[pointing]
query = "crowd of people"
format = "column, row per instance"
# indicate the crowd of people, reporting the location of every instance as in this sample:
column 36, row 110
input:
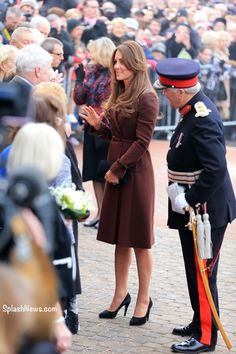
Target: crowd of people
column 102, row 73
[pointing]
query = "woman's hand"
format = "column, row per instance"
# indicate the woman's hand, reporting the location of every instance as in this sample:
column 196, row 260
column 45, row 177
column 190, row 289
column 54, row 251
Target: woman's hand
column 63, row 337
column 91, row 117
column 62, row 334
column 111, row 178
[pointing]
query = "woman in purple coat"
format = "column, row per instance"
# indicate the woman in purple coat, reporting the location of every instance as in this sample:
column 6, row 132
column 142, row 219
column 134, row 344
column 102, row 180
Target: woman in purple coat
column 128, row 204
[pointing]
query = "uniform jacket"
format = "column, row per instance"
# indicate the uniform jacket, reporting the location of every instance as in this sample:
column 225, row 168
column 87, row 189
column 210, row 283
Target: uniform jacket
column 127, row 210
column 198, row 144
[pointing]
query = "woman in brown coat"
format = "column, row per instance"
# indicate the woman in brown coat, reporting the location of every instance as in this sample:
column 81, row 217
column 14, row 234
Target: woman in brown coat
column 128, row 204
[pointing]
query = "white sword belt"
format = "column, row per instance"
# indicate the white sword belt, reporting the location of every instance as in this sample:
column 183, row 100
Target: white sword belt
column 183, row 177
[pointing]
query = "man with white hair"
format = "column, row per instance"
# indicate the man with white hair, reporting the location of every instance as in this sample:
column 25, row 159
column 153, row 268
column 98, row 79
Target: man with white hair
column 41, row 24
column 197, row 169
column 21, row 37
column 33, row 65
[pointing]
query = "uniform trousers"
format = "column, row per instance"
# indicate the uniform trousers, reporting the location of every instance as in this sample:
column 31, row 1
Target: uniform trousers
column 205, row 327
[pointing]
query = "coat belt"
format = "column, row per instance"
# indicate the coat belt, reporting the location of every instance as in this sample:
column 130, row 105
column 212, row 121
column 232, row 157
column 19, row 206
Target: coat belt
column 114, row 138
column 183, row 177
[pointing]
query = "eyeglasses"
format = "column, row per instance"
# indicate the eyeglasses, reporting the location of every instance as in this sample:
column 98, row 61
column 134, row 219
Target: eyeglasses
column 58, row 54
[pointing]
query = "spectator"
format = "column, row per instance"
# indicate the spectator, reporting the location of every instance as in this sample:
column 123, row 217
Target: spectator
column 232, row 61
column 73, row 13
column 118, row 31
column 221, row 52
column 21, row 37
column 55, row 48
column 7, row 60
column 219, row 24
column 11, row 20
column 93, row 89
column 75, row 29
column 33, row 65
column 181, row 44
column 29, row 8
column 41, row 24
column 158, row 51
column 39, row 145
column 58, row 32
column 96, row 28
column 108, row 10
column 132, row 27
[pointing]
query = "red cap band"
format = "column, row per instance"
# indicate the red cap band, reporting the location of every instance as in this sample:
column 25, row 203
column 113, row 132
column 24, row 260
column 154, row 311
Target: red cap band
column 178, row 83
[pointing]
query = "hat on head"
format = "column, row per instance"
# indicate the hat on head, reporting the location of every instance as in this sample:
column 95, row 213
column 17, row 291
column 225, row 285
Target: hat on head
column 177, row 73
column 73, row 23
column 159, row 47
column 31, row 3
column 132, row 23
column 182, row 12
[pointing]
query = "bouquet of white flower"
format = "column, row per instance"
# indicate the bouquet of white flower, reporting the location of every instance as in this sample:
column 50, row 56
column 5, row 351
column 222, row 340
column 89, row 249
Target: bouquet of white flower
column 74, row 204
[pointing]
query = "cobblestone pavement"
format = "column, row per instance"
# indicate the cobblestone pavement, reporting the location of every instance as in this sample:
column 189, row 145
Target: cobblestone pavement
column 168, row 286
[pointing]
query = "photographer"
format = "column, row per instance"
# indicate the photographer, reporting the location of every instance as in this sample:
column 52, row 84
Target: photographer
column 28, row 8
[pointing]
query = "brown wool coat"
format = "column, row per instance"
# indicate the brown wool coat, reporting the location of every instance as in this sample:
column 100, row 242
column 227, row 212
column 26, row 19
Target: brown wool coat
column 128, row 209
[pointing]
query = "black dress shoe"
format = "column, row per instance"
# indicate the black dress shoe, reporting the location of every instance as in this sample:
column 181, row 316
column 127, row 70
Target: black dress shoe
column 91, row 223
column 184, row 330
column 138, row 321
column 191, row 346
column 72, row 322
column 113, row 314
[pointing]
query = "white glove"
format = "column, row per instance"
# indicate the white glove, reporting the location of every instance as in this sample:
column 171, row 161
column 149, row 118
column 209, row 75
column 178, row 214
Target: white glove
column 180, row 203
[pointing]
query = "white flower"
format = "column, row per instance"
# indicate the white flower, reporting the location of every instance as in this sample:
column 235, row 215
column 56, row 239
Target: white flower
column 68, row 198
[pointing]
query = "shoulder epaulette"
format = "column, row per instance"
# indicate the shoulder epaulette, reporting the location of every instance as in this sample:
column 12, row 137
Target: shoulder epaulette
column 201, row 109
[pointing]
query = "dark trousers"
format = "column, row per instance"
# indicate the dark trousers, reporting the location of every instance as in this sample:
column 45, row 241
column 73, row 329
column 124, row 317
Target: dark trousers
column 206, row 330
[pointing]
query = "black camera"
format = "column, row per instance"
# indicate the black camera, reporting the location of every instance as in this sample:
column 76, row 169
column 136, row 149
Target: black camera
column 16, row 108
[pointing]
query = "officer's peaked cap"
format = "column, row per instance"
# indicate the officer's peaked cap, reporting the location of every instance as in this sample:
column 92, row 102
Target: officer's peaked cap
column 177, row 73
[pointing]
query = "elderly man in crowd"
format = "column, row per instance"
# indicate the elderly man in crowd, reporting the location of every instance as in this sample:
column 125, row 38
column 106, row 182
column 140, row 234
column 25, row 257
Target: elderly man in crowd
column 41, row 24
column 21, row 37
column 33, row 65
column 55, row 48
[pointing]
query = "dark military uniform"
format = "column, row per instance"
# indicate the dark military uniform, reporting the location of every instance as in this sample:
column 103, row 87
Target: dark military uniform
column 196, row 160
column 197, row 150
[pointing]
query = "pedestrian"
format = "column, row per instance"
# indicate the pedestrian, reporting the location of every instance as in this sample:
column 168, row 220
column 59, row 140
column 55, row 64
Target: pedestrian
column 128, row 205
column 197, row 163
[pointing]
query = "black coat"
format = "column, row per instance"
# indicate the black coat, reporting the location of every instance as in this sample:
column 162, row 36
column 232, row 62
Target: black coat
column 198, row 144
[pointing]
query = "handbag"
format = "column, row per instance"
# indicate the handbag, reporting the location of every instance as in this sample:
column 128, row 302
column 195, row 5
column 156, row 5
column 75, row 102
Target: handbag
column 104, row 166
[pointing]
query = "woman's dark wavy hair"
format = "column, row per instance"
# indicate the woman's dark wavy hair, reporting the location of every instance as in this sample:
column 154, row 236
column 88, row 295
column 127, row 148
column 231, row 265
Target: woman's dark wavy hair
column 125, row 100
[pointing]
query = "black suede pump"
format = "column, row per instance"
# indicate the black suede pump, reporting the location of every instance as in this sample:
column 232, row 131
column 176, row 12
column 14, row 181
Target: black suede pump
column 138, row 321
column 112, row 314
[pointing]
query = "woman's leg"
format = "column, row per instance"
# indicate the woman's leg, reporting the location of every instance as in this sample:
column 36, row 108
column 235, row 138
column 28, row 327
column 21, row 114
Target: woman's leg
column 99, row 191
column 123, row 256
column 144, row 267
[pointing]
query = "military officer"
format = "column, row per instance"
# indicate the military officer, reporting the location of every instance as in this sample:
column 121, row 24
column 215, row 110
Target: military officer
column 197, row 163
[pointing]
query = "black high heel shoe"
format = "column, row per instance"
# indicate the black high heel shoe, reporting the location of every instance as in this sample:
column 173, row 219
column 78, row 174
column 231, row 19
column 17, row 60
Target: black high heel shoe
column 91, row 223
column 138, row 321
column 112, row 314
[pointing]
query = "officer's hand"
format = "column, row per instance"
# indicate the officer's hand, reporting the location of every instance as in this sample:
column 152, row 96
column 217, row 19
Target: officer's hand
column 80, row 74
column 180, row 203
